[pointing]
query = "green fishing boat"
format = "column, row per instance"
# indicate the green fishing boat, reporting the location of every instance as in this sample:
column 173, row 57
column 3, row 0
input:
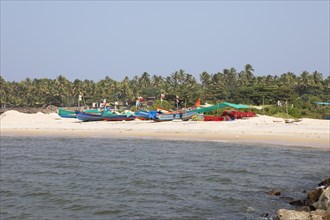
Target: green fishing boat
column 64, row 113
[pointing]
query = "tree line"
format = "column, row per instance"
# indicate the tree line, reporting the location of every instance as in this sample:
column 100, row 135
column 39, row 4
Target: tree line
column 230, row 85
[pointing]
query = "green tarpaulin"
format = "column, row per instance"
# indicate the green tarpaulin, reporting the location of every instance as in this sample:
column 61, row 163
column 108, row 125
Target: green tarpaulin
column 220, row 105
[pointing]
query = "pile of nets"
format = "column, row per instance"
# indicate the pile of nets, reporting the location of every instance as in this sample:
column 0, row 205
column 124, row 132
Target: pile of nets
column 234, row 114
column 229, row 115
column 217, row 118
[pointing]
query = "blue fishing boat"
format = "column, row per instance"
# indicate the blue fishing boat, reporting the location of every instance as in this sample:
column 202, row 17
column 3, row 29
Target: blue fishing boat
column 89, row 115
column 142, row 115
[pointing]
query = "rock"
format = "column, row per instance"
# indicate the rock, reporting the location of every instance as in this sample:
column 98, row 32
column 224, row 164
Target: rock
column 284, row 214
column 250, row 209
column 313, row 196
column 325, row 183
column 304, row 208
column 274, row 193
column 320, row 215
column 264, row 215
column 297, row 202
column 324, row 200
column 315, row 207
column 312, row 208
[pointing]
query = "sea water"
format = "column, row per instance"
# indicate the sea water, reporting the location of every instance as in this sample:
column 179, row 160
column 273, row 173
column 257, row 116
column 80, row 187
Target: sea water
column 107, row 178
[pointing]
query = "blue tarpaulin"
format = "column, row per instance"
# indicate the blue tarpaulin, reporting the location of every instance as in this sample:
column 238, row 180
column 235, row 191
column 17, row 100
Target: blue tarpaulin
column 322, row 103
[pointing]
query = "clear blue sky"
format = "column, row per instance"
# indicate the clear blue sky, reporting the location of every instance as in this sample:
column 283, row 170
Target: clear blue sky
column 95, row 39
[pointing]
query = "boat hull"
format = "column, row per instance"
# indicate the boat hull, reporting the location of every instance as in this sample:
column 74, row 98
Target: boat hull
column 84, row 116
column 119, row 118
column 109, row 116
column 142, row 115
column 66, row 113
column 175, row 116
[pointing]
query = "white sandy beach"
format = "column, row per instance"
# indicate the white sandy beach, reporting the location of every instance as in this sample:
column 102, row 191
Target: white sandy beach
column 262, row 129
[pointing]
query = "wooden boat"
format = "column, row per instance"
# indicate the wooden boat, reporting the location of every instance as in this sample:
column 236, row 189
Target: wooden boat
column 164, row 117
column 66, row 113
column 163, row 110
column 89, row 115
column 109, row 116
column 72, row 114
column 142, row 115
column 173, row 116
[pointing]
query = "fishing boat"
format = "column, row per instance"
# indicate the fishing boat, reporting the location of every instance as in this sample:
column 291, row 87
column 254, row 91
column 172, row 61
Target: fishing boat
column 89, row 115
column 142, row 115
column 109, row 116
column 66, row 113
column 162, row 114
column 183, row 115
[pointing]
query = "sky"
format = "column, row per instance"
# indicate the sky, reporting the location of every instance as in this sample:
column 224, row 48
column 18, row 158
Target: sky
column 95, row 39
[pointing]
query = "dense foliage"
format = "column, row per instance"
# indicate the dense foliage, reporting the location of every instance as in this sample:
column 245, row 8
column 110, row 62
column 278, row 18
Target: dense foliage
column 300, row 92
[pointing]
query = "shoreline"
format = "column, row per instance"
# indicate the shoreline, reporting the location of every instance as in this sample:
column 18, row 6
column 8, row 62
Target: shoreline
column 167, row 137
column 264, row 130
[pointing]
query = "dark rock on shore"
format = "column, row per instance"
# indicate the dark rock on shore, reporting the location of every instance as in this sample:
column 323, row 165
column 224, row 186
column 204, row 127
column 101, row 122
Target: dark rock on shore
column 325, row 183
column 274, row 193
column 313, row 196
column 297, row 202
column 315, row 206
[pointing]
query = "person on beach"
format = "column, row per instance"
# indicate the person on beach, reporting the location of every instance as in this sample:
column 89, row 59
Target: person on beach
column 138, row 102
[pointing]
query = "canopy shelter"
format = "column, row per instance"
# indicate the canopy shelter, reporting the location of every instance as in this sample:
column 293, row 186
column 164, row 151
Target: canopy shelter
column 221, row 105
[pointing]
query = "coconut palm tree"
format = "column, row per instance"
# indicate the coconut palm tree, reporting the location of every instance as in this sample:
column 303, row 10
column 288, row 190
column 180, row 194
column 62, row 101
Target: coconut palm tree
column 206, row 79
column 145, row 80
column 248, row 69
column 317, row 77
column 125, row 89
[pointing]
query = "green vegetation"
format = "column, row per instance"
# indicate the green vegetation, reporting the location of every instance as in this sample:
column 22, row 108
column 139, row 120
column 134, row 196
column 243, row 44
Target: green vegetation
column 283, row 115
column 299, row 92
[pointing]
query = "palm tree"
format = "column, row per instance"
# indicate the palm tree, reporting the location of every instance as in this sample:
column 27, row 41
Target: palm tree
column 206, row 79
column 317, row 77
column 248, row 69
column 246, row 76
column 145, row 80
column 135, row 87
column 243, row 79
column 4, row 92
column 158, row 84
column 89, row 91
column 106, row 89
column 77, row 88
column 64, row 88
column 287, row 79
column 125, row 89
column 270, row 80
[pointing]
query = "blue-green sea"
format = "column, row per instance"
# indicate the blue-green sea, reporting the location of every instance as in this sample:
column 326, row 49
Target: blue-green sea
column 108, row 178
